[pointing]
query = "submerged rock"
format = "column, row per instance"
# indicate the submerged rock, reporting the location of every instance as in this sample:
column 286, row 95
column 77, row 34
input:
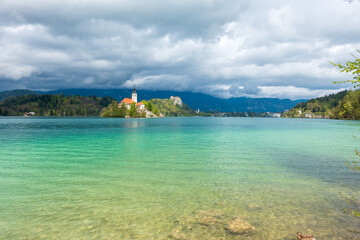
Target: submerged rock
column 209, row 217
column 212, row 212
column 301, row 236
column 177, row 234
column 207, row 220
column 254, row 206
column 239, row 226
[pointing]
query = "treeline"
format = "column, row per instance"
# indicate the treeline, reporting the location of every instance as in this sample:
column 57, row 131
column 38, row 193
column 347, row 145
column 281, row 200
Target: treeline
column 349, row 107
column 169, row 109
column 342, row 105
column 54, row 105
column 60, row 105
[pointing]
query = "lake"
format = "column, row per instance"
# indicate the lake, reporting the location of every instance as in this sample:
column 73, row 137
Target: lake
column 96, row 178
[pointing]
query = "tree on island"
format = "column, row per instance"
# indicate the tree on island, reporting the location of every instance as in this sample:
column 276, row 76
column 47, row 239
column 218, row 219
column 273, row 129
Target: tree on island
column 132, row 111
column 155, row 111
column 149, row 106
column 112, row 110
column 352, row 67
column 123, row 110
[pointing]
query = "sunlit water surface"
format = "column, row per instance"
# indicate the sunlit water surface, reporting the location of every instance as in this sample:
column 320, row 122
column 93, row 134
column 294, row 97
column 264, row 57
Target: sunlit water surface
column 93, row 178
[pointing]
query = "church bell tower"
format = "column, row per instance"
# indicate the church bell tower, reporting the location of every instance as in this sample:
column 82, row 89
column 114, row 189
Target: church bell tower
column 134, row 95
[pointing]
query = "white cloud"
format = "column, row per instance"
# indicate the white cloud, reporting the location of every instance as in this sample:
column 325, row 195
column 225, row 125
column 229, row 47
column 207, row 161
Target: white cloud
column 15, row 72
column 217, row 47
column 293, row 93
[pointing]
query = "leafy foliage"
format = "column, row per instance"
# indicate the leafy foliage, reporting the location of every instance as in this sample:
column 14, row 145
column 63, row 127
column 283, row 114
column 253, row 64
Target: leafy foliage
column 349, row 108
column 352, row 67
column 53, row 105
column 132, row 111
column 113, row 110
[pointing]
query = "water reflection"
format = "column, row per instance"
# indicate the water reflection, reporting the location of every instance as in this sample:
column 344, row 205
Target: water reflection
column 133, row 123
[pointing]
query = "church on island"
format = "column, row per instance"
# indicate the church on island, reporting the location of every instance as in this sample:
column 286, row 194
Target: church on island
column 133, row 99
column 142, row 109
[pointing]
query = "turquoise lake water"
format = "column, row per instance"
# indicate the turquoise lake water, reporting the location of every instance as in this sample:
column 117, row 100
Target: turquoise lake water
column 94, row 178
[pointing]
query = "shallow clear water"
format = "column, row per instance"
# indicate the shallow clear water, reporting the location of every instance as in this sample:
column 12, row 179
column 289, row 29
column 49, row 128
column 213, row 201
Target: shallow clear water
column 94, row 178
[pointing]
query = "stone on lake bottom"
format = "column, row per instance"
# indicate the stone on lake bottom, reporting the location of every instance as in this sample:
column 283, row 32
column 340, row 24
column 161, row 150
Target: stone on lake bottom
column 208, row 217
column 212, row 212
column 207, row 220
column 177, row 234
column 301, row 236
column 254, row 206
column 239, row 226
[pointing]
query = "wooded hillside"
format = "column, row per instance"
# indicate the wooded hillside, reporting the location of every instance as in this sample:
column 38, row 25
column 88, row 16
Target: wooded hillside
column 53, row 105
column 342, row 105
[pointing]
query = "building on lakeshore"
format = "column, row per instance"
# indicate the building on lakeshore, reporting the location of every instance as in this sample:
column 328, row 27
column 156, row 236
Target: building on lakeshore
column 276, row 115
column 140, row 105
column 29, row 114
column 127, row 102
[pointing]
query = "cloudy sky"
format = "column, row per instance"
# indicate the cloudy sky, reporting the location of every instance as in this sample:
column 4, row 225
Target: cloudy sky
column 225, row 48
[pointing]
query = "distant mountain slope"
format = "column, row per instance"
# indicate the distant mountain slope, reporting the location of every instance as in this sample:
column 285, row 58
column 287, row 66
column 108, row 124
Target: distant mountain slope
column 193, row 100
column 53, row 105
column 16, row 93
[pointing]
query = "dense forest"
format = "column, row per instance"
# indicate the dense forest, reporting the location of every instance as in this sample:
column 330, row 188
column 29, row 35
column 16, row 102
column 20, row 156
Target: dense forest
column 53, row 105
column 349, row 107
column 342, row 105
column 60, row 105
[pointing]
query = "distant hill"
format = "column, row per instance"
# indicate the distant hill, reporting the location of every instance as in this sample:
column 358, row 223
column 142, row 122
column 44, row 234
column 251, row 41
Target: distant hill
column 53, row 105
column 193, row 100
column 16, row 93
column 342, row 105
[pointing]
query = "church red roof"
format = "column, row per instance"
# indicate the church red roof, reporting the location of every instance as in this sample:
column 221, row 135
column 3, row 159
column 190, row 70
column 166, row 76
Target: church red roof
column 139, row 103
column 127, row 101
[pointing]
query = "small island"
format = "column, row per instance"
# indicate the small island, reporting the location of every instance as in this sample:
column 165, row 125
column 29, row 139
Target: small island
column 131, row 108
column 154, row 108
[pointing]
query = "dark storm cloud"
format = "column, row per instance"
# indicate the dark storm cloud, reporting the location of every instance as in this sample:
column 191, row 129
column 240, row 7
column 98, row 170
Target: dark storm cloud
column 224, row 48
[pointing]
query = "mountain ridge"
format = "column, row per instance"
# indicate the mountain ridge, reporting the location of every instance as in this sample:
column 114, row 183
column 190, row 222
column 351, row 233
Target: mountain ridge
column 16, row 93
column 195, row 101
